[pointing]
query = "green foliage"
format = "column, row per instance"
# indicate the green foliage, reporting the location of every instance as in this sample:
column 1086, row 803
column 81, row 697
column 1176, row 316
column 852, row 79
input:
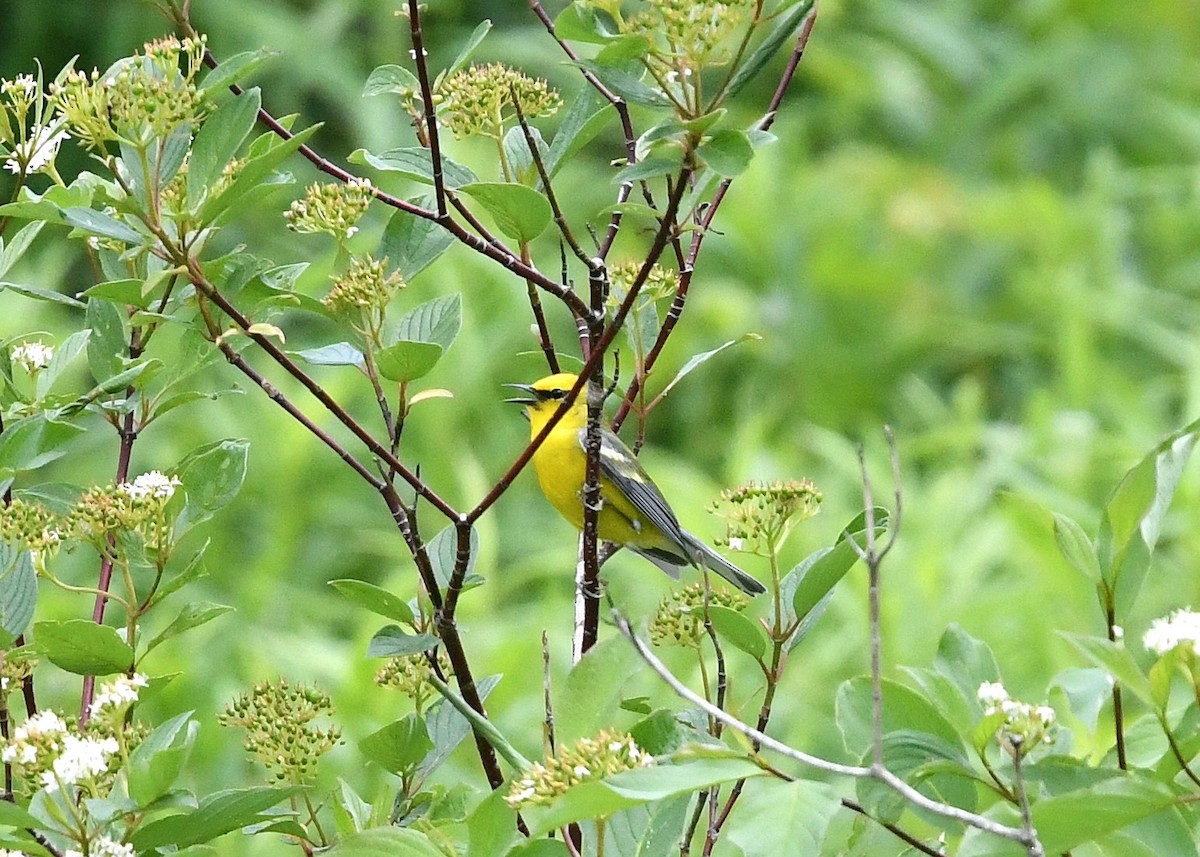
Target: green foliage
column 991, row 249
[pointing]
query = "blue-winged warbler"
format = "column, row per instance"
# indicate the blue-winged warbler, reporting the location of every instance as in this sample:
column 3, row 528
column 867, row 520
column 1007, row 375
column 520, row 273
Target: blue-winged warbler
column 633, row 511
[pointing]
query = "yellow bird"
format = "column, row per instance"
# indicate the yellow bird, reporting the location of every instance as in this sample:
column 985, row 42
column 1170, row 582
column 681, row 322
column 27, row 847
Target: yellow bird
column 633, row 511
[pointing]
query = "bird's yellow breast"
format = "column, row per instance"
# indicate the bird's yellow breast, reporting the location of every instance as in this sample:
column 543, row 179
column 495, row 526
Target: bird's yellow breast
column 561, row 466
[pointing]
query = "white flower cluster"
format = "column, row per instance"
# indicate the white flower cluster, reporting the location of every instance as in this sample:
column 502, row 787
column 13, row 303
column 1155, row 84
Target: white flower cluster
column 118, row 693
column 42, row 729
column 81, row 758
column 1181, row 628
column 32, row 356
column 996, row 699
column 155, row 485
column 36, row 153
column 1024, row 725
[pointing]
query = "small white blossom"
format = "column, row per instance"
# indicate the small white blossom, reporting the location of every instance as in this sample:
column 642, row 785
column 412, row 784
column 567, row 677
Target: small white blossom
column 81, row 758
column 153, row 484
column 993, row 696
column 119, row 692
column 105, row 847
column 1181, row 628
column 35, row 153
column 32, row 356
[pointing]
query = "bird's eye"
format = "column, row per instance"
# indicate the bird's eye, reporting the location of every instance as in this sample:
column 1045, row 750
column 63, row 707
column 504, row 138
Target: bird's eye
column 555, row 394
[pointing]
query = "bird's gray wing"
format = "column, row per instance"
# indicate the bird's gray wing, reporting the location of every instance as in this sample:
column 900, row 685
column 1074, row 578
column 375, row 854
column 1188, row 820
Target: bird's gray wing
column 619, row 465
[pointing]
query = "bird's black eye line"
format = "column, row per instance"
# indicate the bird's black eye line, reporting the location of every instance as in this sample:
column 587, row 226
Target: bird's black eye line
column 552, row 394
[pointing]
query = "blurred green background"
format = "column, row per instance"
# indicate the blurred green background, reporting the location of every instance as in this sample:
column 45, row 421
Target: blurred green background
column 980, row 225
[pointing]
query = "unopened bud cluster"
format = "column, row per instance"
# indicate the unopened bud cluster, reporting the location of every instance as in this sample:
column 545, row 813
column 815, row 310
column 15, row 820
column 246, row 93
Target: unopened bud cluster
column 1019, row 726
column 137, row 506
column 660, row 282
column 29, row 524
column 410, row 675
column 279, row 729
column 15, row 667
column 148, row 95
column 759, row 516
column 588, row 759
column 334, row 208
column 365, row 287
column 478, row 100
column 680, row 617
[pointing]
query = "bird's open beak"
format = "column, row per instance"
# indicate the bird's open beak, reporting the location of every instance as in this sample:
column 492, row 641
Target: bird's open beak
column 524, row 388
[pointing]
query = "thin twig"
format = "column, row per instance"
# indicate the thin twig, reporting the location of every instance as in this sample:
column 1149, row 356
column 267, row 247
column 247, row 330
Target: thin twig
column 767, row 742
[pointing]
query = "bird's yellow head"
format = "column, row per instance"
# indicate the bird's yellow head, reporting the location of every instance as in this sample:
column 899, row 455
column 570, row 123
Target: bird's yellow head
column 543, row 398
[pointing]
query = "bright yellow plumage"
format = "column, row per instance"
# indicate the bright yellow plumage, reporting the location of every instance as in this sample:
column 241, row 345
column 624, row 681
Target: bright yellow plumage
column 633, row 512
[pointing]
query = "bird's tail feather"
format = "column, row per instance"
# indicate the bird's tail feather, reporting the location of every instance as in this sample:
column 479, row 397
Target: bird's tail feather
column 713, row 561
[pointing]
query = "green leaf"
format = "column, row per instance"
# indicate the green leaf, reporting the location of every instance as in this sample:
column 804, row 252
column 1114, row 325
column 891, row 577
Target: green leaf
column 582, row 22
column 390, row 78
column 1076, row 547
column 406, row 360
column 816, row 578
column 109, row 339
column 625, row 79
column 1087, row 691
column 727, row 152
column 412, row 243
column 591, row 695
column 965, row 661
column 16, row 246
column 698, row 360
column 904, row 709
column 12, row 815
column 41, row 294
column 776, row 817
column 520, row 212
column 448, row 728
column 1133, row 515
column 32, row 442
column 233, row 69
column 651, row 167
column 392, row 641
column 217, row 143
column 415, row 163
column 385, row 842
column 18, row 590
column 100, row 224
column 375, row 598
column 126, row 291
column 64, row 356
column 600, row 798
column 193, row 615
column 740, row 630
column 660, row 733
column 786, row 28
column 219, row 813
column 491, row 827
column 252, row 177
column 398, row 747
column 338, row 354
column 443, row 549
column 437, row 321
column 581, row 122
column 477, row 36
column 520, row 158
column 82, row 647
column 211, row 475
column 159, row 759
column 1117, row 660
column 1065, row 822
